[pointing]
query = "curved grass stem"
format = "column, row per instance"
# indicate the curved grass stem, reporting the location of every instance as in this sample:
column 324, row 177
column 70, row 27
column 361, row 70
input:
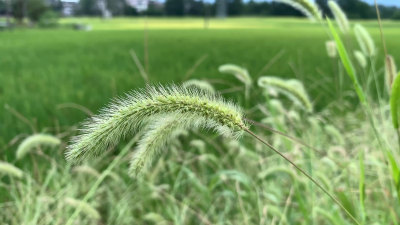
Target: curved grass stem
column 283, row 134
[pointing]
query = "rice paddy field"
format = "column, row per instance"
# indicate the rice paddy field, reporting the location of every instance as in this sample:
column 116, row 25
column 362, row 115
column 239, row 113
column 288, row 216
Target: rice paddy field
column 53, row 79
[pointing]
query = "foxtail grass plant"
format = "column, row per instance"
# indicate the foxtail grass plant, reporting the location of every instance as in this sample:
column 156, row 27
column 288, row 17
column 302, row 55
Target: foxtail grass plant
column 87, row 209
column 292, row 88
column 85, row 169
column 348, row 65
column 335, row 134
column 331, row 49
column 10, row 169
column 241, row 74
column 158, row 134
column 340, row 17
column 365, row 40
column 200, row 84
column 34, row 141
column 390, row 71
column 307, row 7
column 101, row 178
column 138, row 108
column 367, row 46
column 188, row 107
column 395, row 102
column 360, row 58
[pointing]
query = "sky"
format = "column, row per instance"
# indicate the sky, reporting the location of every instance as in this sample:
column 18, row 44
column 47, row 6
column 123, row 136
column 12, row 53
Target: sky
column 385, row 2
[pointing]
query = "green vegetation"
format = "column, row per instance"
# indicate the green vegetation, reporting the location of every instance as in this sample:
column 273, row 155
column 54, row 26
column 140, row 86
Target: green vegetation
column 49, row 68
column 52, row 79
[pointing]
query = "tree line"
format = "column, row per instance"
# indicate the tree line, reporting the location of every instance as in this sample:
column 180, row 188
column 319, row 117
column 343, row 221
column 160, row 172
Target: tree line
column 34, row 9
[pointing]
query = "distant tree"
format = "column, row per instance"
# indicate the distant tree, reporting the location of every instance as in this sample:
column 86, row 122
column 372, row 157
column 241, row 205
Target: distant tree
column 55, row 5
column 174, row 7
column 196, row 8
column 279, row 9
column 36, row 8
column 323, row 5
column 88, row 7
column 235, row 7
column 18, row 9
column 257, row 8
column 387, row 12
column 155, row 9
column 3, row 7
column 116, row 7
column 396, row 15
column 130, row 11
column 357, row 9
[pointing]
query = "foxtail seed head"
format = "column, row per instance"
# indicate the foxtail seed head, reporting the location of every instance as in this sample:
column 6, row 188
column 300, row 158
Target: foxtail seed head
column 10, row 169
column 292, row 88
column 390, row 71
column 87, row 209
column 200, row 84
column 365, row 40
column 85, row 169
column 160, row 132
column 34, row 141
column 360, row 57
column 395, row 102
column 138, row 108
column 240, row 73
column 331, row 49
column 307, row 7
column 340, row 17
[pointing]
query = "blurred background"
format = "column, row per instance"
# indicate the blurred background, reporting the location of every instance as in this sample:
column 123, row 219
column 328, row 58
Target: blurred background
column 62, row 61
column 52, row 51
column 40, row 10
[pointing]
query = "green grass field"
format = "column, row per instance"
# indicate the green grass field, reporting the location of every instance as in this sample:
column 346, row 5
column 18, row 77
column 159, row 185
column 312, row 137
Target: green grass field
column 41, row 69
column 49, row 77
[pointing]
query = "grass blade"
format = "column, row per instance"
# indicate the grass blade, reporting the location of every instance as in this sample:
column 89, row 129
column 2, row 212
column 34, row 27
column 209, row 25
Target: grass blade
column 347, row 62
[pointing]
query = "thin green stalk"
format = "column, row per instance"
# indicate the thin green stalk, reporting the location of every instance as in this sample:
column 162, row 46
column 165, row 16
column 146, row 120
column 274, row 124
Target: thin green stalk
column 304, row 173
column 352, row 74
column 347, row 63
column 398, row 137
column 380, row 27
column 378, row 90
column 103, row 175
column 361, row 187
column 283, row 134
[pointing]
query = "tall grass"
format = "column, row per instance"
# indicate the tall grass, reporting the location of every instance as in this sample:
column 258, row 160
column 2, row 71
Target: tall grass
column 208, row 178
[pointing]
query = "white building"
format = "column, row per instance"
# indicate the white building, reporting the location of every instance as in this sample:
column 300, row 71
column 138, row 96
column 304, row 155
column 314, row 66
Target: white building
column 139, row 5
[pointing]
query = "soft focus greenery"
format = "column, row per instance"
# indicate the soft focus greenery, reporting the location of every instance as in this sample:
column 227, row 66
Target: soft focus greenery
column 51, row 79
